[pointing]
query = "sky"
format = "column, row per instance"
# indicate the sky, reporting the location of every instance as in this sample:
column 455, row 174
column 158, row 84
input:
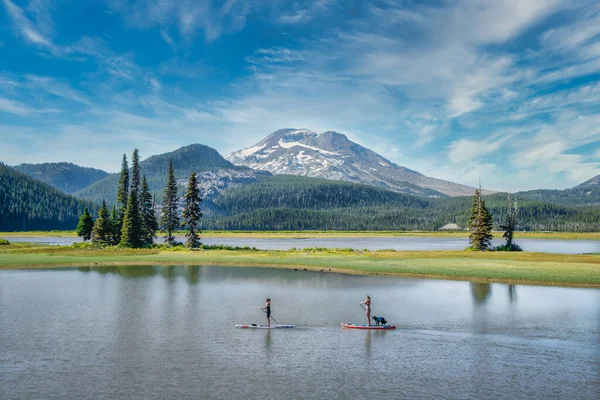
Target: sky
column 502, row 91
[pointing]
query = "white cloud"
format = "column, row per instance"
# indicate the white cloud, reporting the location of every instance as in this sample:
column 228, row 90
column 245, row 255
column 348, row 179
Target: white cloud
column 464, row 150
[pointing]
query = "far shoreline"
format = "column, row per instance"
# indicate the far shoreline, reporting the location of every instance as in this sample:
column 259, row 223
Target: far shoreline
column 339, row 234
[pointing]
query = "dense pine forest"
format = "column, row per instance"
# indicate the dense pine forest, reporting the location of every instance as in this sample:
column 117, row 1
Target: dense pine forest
column 299, row 203
column 27, row 204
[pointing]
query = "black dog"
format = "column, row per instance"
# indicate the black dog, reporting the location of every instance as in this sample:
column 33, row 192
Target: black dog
column 379, row 320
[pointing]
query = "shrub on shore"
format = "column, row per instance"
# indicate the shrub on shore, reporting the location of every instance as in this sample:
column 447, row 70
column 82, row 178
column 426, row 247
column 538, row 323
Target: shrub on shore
column 4, row 242
column 506, row 247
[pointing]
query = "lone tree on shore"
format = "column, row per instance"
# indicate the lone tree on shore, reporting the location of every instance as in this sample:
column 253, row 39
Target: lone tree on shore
column 509, row 226
column 480, row 224
column 148, row 213
column 170, row 219
column 85, row 225
column 102, row 232
column 132, row 232
column 191, row 213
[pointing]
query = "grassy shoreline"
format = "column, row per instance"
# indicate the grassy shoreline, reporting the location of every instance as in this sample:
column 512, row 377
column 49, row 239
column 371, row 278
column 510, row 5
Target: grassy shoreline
column 339, row 234
column 516, row 268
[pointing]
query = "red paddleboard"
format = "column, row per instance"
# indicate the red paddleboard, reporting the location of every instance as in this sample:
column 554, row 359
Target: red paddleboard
column 363, row 326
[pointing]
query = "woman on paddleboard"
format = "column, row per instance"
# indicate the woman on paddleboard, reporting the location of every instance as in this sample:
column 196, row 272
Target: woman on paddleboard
column 267, row 310
column 367, row 304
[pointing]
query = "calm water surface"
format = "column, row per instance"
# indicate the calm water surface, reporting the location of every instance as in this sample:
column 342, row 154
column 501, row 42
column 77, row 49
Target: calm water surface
column 167, row 332
column 370, row 243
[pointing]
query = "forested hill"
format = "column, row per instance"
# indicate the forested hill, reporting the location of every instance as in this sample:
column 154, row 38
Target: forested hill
column 64, row 176
column 299, row 203
column 188, row 159
column 578, row 196
column 27, row 204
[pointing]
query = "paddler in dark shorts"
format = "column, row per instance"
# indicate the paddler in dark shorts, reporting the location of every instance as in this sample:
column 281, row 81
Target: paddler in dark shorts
column 267, row 310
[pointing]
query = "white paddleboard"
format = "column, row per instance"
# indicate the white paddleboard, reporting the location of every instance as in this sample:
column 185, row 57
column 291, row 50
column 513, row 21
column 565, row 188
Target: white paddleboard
column 256, row 326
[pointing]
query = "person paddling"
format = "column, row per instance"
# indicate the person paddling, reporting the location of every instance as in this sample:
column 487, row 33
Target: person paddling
column 267, row 310
column 367, row 303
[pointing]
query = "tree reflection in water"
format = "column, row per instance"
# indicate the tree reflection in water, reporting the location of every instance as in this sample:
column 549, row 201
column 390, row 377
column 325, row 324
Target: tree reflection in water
column 481, row 292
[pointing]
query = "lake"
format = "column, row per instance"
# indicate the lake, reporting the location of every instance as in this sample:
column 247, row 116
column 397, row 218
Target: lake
column 369, row 243
column 168, row 332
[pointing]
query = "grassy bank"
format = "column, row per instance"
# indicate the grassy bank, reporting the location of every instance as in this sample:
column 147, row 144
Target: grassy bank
column 518, row 268
column 340, row 234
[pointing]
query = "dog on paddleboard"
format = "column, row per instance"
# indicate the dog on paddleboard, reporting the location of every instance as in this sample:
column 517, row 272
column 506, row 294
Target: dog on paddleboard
column 379, row 320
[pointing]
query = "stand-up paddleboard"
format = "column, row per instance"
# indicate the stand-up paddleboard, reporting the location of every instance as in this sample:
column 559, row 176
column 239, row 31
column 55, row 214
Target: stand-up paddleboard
column 255, row 326
column 364, row 326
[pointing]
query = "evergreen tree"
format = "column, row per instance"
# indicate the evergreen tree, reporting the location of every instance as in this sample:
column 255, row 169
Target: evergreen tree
column 135, row 172
column 509, row 226
column 191, row 213
column 132, row 232
column 102, row 233
column 85, row 225
column 148, row 213
column 115, row 226
column 480, row 224
column 122, row 196
column 169, row 218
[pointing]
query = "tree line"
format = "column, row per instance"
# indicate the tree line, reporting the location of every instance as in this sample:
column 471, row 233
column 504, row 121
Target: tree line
column 133, row 220
column 299, row 203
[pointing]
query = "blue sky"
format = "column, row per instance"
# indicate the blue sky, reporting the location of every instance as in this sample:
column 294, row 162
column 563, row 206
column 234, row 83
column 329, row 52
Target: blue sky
column 503, row 91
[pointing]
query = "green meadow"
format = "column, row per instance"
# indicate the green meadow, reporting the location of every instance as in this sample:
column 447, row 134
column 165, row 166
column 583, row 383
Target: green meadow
column 501, row 267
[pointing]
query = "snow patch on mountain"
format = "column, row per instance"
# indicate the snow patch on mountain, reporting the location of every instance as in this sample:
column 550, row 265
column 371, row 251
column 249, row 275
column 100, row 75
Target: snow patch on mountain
column 251, row 150
column 289, row 145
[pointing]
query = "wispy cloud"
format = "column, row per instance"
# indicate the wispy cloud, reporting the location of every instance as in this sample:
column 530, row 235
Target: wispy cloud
column 304, row 11
column 17, row 108
column 28, row 30
column 189, row 16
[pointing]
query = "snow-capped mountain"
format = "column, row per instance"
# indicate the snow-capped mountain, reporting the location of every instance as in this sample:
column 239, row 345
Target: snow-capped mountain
column 332, row 155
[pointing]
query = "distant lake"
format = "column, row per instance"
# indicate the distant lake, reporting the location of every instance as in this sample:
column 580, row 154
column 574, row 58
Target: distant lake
column 370, row 243
column 168, row 333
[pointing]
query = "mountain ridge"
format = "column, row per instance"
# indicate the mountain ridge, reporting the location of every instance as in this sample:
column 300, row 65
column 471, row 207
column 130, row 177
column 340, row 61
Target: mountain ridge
column 331, row 155
column 64, row 176
column 214, row 173
column 595, row 181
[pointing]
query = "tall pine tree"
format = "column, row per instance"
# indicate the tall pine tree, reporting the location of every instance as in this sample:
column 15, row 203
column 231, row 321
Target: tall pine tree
column 135, row 172
column 191, row 213
column 102, row 232
column 148, row 213
column 85, row 225
column 169, row 218
column 132, row 231
column 480, row 224
column 122, row 197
